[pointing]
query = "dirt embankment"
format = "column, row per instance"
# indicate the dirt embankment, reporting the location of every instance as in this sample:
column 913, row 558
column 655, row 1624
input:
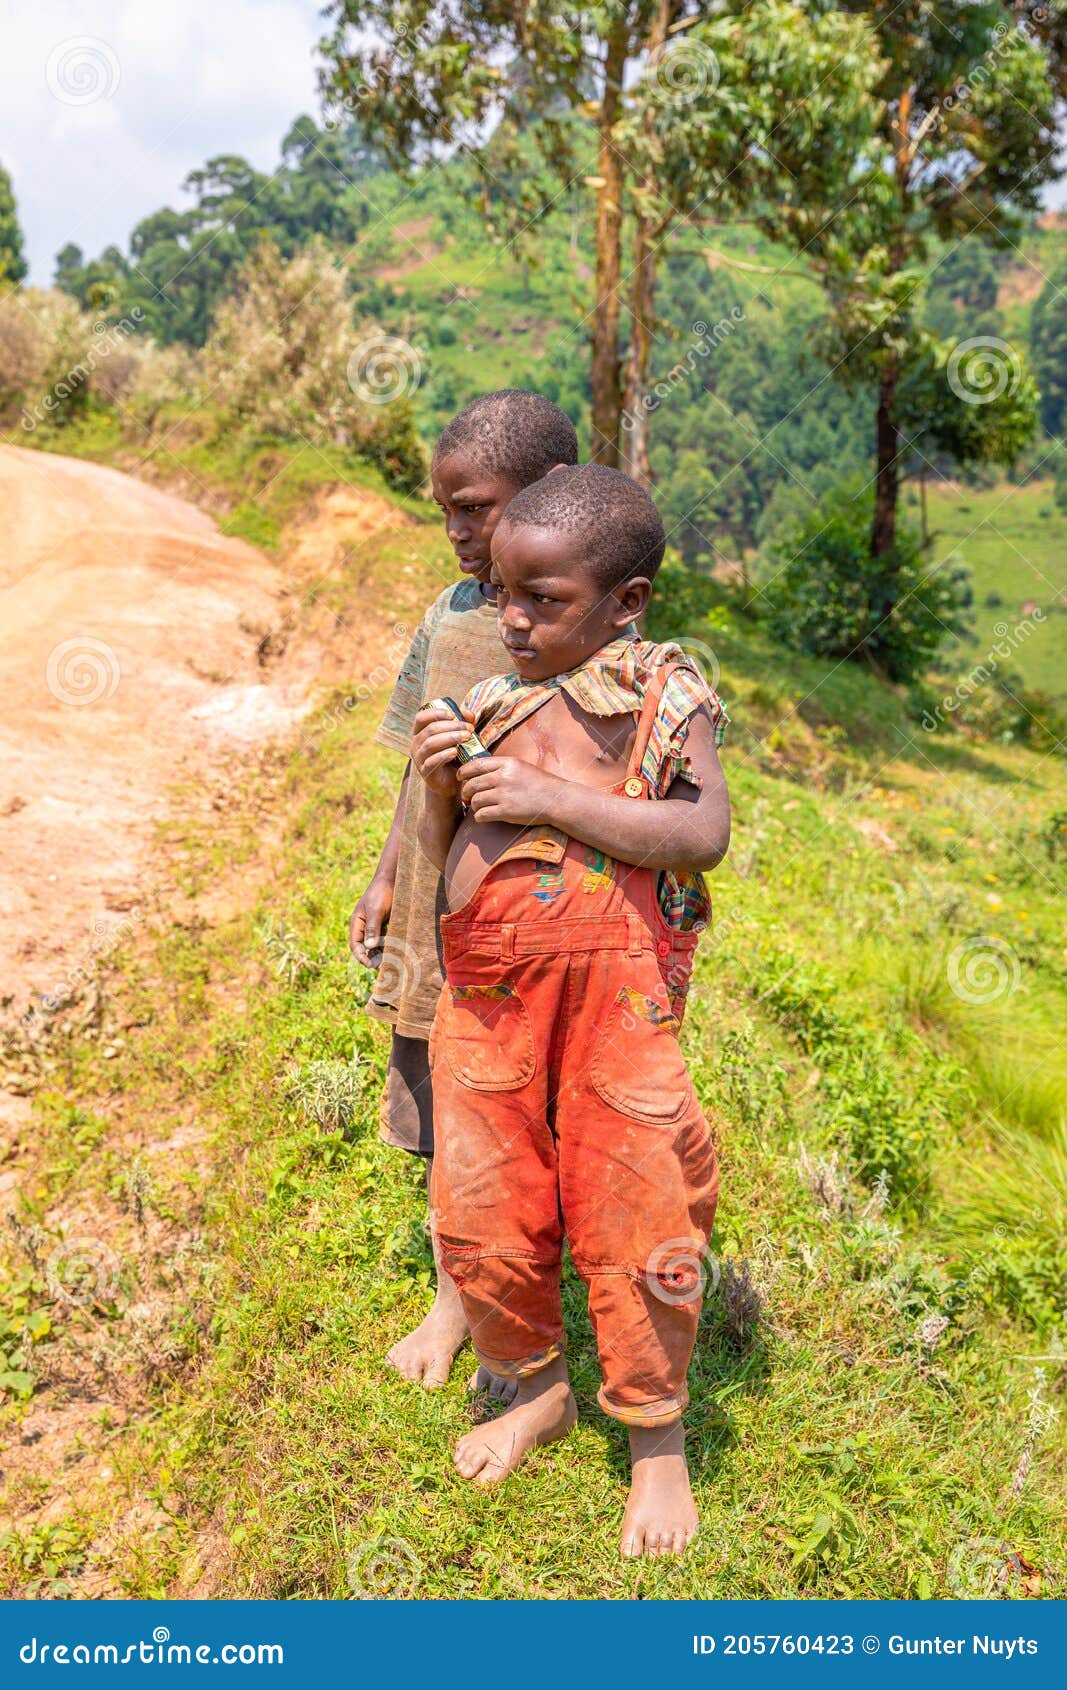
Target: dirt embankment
column 143, row 649
column 136, row 652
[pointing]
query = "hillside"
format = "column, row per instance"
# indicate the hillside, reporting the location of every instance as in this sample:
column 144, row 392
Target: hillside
column 750, row 429
column 880, row 1367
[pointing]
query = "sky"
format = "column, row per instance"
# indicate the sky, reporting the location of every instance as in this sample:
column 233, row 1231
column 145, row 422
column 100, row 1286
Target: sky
column 106, row 105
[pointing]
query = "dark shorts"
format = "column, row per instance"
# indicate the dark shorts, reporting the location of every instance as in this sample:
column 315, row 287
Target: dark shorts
column 407, row 1100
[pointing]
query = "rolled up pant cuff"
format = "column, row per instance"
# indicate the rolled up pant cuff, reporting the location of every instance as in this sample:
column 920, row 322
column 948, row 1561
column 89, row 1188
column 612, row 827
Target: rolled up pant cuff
column 663, row 1412
column 520, row 1369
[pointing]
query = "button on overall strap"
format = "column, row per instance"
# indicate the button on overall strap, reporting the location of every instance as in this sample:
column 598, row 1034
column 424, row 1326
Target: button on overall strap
column 635, row 786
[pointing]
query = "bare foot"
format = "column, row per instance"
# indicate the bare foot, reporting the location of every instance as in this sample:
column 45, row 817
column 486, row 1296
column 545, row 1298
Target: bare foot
column 426, row 1355
column 488, row 1385
column 543, row 1411
column 661, row 1516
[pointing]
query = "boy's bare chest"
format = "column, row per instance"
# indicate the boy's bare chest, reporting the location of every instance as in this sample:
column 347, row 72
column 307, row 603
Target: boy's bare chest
column 563, row 740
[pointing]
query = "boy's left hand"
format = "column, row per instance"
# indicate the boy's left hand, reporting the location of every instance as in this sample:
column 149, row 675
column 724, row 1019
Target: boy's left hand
column 505, row 789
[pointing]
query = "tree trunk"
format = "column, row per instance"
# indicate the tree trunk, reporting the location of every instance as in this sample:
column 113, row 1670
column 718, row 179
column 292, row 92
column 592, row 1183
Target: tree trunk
column 642, row 315
column 887, row 463
column 635, row 417
column 607, row 387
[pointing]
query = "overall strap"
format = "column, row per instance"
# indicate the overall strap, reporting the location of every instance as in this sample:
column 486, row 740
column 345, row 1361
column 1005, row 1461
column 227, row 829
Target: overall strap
column 646, row 720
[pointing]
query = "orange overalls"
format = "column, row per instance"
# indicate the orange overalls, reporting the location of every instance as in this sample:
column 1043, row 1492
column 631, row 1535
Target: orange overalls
column 563, row 1106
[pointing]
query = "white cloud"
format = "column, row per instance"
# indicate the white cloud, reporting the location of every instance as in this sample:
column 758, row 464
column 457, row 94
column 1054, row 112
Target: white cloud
column 106, row 105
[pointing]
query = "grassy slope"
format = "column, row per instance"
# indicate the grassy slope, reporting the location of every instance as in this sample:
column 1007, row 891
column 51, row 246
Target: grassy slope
column 835, row 1452
column 516, row 321
column 1012, row 541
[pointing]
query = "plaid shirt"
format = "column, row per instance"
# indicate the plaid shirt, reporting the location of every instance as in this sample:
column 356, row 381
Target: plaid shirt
column 612, row 683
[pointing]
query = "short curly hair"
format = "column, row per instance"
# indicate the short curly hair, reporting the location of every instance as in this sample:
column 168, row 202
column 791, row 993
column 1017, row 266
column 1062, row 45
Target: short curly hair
column 617, row 529
column 512, row 432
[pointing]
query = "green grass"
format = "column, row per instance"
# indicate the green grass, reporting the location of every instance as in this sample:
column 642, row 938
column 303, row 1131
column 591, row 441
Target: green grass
column 874, row 1437
column 1011, row 539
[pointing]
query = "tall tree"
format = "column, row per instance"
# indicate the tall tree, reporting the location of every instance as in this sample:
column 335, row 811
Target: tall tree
column 607, row 84
column 12, row 259
column 964, row 142
column 762, row 110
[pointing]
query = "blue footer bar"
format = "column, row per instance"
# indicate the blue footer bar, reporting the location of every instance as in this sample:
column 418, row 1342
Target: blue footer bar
column 523, row 1645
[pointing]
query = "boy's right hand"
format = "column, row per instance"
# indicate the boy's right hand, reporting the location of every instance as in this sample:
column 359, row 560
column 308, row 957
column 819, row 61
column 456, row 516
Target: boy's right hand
column 368, row 922
column 433, row 750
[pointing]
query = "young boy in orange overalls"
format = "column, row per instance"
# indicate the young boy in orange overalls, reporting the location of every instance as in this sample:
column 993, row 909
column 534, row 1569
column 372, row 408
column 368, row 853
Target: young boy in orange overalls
column 492, row 449
column 562, row 1099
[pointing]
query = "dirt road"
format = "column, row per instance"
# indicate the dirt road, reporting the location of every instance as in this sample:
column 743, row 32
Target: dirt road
column 135, row 654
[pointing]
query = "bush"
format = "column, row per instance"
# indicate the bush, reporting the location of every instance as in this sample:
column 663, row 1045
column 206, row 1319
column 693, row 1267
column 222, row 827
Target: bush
column 285, row 359
column 686, row 602
column 162, row 376
column 1015, row 713
column 46, row 357
column 20, row 355
column 55, row 358
column 885, row 1126
column 829, row 597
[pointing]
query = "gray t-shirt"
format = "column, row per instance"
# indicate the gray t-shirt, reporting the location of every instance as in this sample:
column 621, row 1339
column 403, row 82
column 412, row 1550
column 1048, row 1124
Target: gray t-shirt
column 455, row 646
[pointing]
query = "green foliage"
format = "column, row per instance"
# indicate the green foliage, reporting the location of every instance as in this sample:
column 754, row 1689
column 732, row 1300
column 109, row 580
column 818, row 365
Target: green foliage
column 1010, row 552
column 1048, row 347
column 12, row 260
column 746, row 431
column 51, row 1554
column 963, row 136
column 829, row 597
column 887, row 1129
column 48, row 360
column 963, row 286
column 767, row 103
column 329, row 1093
column 976, row 406
column 182, row 264
column 283, row 360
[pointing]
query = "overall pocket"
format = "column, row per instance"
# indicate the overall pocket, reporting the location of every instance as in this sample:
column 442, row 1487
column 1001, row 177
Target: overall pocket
column 486, row 1034
column 638, row 1067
